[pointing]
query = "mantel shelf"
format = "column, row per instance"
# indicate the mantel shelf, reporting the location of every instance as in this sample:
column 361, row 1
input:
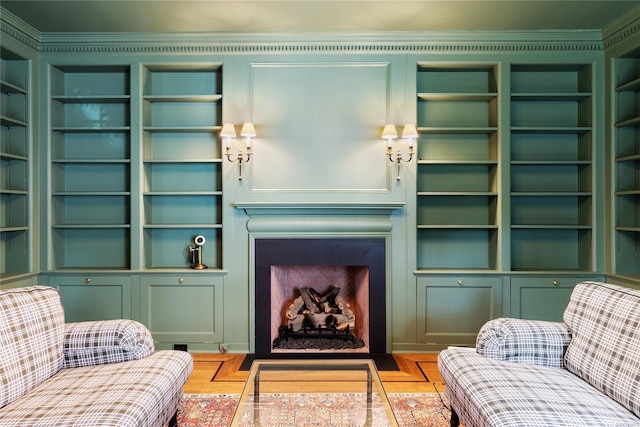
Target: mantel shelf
column 319, row 208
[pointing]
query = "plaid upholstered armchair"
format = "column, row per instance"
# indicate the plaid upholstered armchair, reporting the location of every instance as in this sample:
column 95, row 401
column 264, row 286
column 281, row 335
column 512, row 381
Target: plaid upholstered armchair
column 584, row 371
column 82, row 374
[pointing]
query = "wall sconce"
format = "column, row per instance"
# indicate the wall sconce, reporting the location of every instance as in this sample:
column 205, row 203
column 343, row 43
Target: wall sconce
column 390, row 133
column 229, row 131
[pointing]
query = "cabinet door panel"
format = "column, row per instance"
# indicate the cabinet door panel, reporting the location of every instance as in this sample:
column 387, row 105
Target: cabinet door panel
column 94, row 298
column 451, row 313
column 542, row 298
column 183, row 310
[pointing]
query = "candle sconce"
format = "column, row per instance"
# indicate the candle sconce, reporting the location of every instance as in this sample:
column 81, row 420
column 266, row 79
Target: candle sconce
column 228, row 132
column 390, row 133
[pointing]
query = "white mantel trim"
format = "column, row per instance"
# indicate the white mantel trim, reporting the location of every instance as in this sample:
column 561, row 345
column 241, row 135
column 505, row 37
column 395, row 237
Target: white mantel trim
column 319, row 218
column 319, row 208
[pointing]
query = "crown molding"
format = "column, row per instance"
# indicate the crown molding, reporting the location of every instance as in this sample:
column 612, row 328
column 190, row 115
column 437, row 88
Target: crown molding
column 19, row 30
column 623, row 28
column 383, row 42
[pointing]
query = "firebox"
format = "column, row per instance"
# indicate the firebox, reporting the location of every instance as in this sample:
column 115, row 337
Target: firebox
column 351, row 269
column 320, row 307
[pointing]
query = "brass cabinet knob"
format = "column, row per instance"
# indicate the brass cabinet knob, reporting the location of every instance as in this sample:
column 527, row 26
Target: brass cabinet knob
column 460, row 282
column 87, row 280
column 181, row 280
column 555, row 283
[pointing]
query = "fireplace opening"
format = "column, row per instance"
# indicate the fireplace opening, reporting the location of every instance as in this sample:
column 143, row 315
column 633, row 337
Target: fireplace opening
column 320, row 308
column 285, row 269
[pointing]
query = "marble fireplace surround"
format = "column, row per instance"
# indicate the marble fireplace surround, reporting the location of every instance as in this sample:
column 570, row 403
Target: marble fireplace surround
column 351, row 235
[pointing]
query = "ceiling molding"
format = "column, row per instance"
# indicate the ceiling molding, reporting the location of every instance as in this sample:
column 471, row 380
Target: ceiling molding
column 380, row 42
column 18, row 29
column 622, row 29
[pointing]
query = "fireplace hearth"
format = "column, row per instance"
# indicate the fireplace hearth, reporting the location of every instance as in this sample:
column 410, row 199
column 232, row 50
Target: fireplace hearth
column 285, row 269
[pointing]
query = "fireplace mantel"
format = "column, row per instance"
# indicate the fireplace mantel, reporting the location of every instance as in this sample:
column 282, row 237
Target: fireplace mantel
column 319, row 217
column 319, row 208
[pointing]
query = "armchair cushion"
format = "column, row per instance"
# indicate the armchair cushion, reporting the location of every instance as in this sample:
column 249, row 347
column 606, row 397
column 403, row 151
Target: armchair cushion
column 109, row 341
column 533, row 342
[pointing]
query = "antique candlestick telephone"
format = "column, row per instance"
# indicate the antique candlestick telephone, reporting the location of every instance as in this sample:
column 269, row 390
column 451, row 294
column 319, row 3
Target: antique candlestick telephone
column 196, row 253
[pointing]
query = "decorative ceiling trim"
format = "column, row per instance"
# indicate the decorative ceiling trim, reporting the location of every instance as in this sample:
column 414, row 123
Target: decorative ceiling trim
column 624, row 28
column 327, row 48
column 14, row 27
column 366, row 42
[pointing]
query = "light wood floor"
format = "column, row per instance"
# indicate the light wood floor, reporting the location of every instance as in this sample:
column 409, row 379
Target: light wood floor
column 219, row 374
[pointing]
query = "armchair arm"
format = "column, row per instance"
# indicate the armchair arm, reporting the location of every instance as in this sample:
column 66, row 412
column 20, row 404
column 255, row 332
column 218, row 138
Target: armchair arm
column 533, row 342
column 108, row 341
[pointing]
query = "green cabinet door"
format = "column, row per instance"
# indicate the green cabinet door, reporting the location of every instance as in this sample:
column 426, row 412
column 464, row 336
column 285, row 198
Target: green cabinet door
column 543, row 298
column 451, row 309
column 183, row 310
column 91, row 297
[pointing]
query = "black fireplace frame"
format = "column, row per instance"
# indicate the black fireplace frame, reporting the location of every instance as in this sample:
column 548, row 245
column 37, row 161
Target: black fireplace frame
column 369, row 252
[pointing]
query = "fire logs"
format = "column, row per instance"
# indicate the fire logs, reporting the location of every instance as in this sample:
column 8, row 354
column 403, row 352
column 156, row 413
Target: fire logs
column 314, row 311
column 312, row 316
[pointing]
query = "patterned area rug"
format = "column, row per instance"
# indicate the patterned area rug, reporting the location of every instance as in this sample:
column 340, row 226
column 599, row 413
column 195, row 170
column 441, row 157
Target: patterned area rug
column 410, row 409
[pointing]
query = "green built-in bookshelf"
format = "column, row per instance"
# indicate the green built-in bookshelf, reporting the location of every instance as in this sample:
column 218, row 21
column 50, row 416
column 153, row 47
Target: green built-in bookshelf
column 626, row 74
column 90, row 166
column 108, row 181
column 15, row 170
column 546, row 198
column 182, row 115
column 457, row 185
column 551, row 167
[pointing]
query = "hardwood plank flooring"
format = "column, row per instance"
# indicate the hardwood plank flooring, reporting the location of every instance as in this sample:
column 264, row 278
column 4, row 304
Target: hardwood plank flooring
column 219, row 374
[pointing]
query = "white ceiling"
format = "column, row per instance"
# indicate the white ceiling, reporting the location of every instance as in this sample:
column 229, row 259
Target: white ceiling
column 316, row 15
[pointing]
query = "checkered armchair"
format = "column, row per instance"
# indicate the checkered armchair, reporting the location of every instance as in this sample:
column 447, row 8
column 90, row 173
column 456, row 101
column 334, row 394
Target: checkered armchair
column 584, row 371
column 82, row 374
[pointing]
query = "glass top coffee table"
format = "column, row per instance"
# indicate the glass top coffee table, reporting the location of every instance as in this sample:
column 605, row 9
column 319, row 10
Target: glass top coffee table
column 336, row 393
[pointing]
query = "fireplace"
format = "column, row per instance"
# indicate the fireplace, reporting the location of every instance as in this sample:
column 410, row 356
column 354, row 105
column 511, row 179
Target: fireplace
column 356, row 265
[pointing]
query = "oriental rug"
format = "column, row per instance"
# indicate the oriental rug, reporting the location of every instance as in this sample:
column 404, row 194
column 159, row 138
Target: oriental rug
column 410, row 409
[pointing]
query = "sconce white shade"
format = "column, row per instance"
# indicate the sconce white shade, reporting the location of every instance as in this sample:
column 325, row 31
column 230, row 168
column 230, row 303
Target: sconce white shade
column 228, row 131
column 409, row 131
column 248, row 130
column 389, row 132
